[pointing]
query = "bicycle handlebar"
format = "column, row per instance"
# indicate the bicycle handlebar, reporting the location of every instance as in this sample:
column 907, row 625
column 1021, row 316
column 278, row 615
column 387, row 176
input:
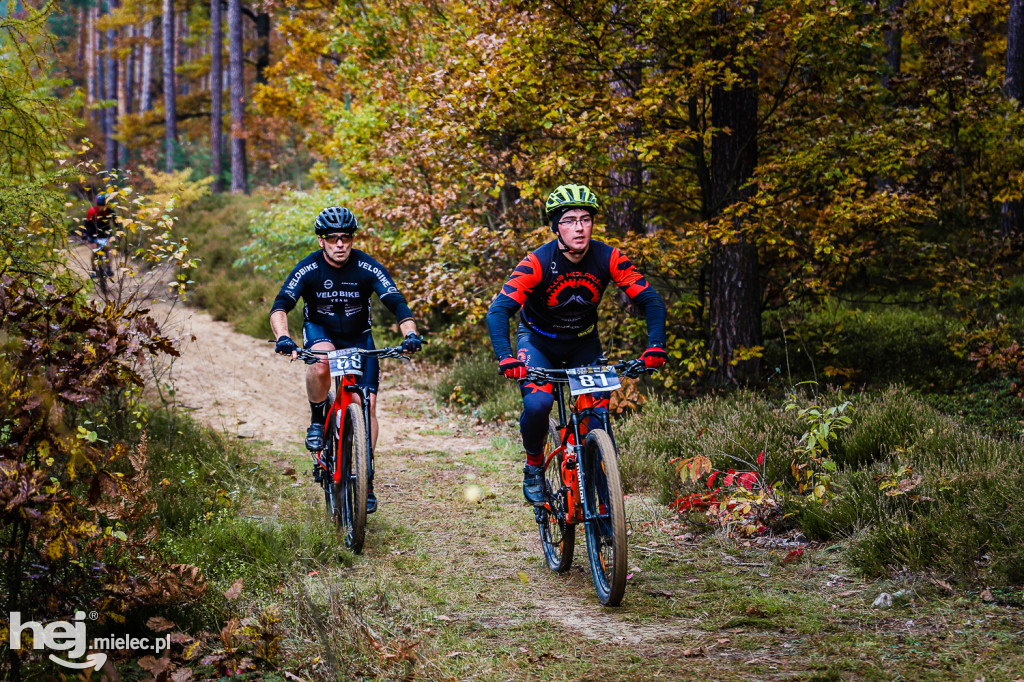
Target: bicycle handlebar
column 310, row 357
column 629, row 368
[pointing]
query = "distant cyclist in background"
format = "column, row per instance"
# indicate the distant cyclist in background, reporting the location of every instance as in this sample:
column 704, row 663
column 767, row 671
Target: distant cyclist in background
column 99, row 222
column 556, row 289
column 335, row 284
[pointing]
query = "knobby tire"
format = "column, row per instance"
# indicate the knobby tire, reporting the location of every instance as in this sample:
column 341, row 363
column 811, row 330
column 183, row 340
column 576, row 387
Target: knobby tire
column 605, row 517
column 349, row 495
column 557, row 538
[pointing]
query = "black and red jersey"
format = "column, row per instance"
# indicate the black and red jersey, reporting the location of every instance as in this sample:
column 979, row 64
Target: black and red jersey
column 559, row 298
column 98, row 223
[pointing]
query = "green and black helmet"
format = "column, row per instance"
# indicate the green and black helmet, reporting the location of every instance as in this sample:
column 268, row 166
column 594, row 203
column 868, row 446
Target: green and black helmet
column 569, row 196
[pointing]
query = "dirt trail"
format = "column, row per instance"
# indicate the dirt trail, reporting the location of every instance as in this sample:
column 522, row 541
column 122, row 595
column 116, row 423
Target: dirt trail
column 234, row 383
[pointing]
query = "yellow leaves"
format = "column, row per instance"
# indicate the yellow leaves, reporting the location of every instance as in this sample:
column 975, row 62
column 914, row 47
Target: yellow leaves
column 694, row 468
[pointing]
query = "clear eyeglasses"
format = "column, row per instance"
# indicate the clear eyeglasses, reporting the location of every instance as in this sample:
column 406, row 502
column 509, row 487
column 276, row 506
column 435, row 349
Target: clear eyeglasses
column 584, row 221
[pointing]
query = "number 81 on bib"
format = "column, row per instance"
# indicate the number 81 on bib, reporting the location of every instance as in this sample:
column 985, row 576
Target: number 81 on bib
column 592, row 380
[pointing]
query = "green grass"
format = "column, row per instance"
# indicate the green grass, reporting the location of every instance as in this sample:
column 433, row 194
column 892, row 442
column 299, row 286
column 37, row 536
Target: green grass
column 473, row 385
column 210, row 494
column 963, row 518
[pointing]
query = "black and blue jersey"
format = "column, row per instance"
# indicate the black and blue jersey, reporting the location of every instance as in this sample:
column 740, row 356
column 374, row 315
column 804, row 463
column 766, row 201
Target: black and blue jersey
column 338, row 298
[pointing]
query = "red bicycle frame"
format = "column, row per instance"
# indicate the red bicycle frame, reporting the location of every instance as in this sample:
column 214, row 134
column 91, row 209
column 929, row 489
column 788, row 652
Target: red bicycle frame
column 342, row 400
column 568, row 450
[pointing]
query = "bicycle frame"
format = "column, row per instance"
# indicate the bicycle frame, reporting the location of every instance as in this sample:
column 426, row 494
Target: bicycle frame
column 344, row 388
column 572, row 433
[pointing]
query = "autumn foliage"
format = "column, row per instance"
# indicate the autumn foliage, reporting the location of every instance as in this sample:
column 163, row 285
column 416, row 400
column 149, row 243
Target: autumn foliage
column 76, row 531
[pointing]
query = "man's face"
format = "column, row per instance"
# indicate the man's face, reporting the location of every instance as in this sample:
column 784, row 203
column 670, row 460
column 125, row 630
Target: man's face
column 575, row 227
column 337, row 247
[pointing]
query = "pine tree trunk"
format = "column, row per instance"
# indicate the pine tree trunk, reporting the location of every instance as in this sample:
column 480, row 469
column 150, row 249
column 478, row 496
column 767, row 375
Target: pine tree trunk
column 89, row 58
column 124, row 90
column 216, row 94
column 181, row 35
column 734, row 305
column 170, row 89
column 83, row 50
column 236, row 76
column 893, row 38
column 96, row 66
column 112, row 92
column 146, row 75
column 1012, row 219
column 625, row 210
column 262, row 46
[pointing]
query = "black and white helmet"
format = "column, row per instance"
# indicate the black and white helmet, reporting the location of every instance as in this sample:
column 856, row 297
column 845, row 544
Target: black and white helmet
column 335, row 219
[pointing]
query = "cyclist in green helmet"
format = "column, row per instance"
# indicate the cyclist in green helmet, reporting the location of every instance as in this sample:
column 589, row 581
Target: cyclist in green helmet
column 556, row 290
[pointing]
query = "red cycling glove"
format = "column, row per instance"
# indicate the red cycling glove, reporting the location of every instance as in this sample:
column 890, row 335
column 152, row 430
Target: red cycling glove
column 512, row 368
column 654, row 357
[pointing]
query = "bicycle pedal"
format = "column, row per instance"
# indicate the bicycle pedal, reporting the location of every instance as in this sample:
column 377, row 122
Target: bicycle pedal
column 540, row 514
column 317, row 475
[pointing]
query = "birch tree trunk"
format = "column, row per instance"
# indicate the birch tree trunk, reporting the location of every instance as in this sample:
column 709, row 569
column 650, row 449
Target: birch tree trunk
column 236, row 76
column 170, row 89
column 216, row 95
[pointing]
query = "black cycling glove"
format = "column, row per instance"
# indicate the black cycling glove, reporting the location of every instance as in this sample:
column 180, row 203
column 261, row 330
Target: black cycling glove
column 412, row 343
column 285, row 346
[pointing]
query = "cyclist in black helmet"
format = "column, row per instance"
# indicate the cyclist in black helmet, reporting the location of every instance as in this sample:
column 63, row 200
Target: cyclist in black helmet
column 335, row 284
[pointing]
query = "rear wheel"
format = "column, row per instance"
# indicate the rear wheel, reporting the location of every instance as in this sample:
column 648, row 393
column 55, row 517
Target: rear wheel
column 348, row 495
column 557, row 537
column 605, row 517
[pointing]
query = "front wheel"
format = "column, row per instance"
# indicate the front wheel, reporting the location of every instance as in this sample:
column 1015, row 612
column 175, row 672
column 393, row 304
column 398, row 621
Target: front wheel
column 348, row 495
column 557, row 537
column 604, row 516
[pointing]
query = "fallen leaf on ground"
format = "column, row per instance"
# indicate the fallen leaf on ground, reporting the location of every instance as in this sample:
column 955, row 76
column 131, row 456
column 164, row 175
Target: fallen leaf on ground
column 235, row 590
column 158, row 624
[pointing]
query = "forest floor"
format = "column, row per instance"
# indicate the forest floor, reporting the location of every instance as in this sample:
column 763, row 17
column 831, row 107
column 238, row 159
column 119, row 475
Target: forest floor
column 452, row 586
